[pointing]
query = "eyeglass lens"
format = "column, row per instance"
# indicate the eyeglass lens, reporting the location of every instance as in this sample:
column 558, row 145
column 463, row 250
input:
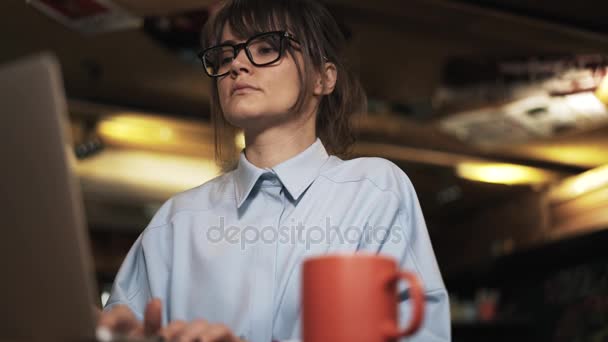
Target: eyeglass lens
column 262, row 50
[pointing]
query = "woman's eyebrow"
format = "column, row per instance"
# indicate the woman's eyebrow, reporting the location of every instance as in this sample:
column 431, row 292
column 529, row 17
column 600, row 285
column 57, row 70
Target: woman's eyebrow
column 229, row 41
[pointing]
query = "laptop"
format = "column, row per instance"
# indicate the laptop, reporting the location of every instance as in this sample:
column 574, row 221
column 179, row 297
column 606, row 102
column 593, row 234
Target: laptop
column 48, row 285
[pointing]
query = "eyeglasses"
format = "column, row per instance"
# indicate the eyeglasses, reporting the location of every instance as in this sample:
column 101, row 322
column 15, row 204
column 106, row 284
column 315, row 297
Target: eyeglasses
column 262, row 49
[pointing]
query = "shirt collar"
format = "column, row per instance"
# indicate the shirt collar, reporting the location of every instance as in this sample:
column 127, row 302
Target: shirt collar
column 296, row 174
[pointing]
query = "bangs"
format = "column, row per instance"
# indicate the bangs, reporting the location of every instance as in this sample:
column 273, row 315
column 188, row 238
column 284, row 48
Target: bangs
column 248, row 18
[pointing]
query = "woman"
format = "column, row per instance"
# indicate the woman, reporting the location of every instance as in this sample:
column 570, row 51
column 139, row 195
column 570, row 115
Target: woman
column 224, row 258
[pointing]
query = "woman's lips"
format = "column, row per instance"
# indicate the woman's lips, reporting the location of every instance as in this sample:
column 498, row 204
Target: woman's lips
column 243, row 88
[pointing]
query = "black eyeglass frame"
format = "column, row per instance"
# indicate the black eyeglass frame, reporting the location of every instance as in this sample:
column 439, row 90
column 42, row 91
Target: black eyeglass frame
column 236, row 48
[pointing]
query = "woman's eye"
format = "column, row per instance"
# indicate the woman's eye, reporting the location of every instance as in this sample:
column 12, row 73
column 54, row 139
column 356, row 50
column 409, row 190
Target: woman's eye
column 266, row 49
column 225, row 60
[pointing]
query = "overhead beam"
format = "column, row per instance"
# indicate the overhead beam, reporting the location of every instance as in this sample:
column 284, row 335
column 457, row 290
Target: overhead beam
column 451, row 16
column 162, row 7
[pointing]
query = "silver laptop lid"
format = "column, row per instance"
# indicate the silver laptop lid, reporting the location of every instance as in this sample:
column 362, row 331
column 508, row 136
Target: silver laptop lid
column 47, row 286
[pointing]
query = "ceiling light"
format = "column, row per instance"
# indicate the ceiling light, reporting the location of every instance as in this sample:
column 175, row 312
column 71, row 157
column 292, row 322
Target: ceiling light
column 122, row 172
column 575, row 186
column 239, row 140
column 503, row 173
column 602, row 90
column 156, row 133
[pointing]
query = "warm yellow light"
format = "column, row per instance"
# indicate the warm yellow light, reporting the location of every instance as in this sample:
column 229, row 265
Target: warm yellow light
column 165, row 134
column 156, row 133
column 585, row 154
column 137, row 130
column 502, row 173
column 123, row 170
column 577, row 185
column 602, row 90
column 239, row 140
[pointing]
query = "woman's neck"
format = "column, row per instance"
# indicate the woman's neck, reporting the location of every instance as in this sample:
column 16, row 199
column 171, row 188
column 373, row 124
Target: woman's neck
column 275, row 145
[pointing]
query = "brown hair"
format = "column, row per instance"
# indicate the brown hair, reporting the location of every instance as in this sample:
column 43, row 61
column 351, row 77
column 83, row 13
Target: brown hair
column 321, row 40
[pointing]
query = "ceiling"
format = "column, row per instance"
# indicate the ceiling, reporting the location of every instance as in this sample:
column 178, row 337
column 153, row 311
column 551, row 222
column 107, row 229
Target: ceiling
column 398, row 48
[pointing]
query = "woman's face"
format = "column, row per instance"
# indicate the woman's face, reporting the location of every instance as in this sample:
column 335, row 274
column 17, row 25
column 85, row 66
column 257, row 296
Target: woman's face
column 254, row 97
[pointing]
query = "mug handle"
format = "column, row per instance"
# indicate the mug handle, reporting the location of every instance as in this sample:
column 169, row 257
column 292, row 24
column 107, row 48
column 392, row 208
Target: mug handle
column 416, row 294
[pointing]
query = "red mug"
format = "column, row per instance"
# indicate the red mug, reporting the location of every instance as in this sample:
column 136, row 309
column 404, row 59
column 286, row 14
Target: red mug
column 353, row 297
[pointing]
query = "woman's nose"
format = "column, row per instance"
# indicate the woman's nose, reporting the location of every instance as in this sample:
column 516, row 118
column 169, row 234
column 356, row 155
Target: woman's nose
column 241, row 62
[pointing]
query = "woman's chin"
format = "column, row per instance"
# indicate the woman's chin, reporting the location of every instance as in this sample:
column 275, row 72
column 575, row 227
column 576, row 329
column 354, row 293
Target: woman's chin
column 249, row 118
column 243, row 117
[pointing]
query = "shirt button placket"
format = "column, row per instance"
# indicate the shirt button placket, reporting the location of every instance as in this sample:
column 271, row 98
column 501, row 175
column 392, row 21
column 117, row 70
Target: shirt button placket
column 266, row 261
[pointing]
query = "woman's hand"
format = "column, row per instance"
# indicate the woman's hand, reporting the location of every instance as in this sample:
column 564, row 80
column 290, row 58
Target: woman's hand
column 121, row 321
column 198, row 331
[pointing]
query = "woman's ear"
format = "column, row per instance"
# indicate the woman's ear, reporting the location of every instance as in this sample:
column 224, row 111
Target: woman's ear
column 326, row 81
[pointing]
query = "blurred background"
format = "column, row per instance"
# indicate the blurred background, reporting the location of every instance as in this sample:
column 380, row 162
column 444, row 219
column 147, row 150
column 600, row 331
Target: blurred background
column 496, row 109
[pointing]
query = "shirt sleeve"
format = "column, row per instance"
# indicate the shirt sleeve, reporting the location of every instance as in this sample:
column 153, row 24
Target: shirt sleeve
column 396, row 228
column 144, row 274
column 131, row 285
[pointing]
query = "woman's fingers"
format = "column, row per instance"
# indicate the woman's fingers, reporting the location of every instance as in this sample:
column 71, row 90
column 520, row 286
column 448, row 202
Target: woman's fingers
column 198, row 331
column 120, row 319
column 218, row 333
column 172, row 331
column 194, row 332
column 153, row 317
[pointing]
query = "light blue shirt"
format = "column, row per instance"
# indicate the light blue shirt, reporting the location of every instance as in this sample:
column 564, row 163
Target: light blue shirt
column 230, row 250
